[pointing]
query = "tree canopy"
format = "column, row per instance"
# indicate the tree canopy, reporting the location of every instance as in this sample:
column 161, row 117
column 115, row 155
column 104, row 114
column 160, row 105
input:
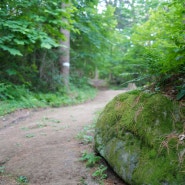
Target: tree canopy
column 124, row 40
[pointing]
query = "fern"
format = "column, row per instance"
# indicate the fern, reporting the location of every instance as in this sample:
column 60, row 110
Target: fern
column 90, row 158
column 181, row 94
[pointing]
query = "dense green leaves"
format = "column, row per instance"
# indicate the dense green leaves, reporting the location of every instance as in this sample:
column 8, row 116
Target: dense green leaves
column 125, row 41
column 92, row 44
column 162, row 37
column 156, row 53
column 29, row 33
column 31, row 24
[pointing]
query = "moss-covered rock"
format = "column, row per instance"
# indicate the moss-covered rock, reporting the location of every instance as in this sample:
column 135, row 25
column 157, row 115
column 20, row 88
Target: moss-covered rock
column 139, row 135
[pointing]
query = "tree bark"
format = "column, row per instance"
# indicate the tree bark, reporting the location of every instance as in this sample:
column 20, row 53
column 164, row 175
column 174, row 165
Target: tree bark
column 65, row 55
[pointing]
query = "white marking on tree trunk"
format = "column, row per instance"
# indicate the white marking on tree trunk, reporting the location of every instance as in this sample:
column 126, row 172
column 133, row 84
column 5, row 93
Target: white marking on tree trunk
column 66, row 64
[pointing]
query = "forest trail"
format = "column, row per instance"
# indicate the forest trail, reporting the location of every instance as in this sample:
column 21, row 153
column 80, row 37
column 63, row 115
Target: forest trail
column 42, row 145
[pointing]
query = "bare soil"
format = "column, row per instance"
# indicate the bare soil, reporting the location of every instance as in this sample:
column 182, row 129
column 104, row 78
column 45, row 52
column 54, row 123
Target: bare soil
column 42, row 144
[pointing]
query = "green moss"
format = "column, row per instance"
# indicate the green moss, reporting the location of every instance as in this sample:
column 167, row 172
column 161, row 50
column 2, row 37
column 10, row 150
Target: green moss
column 153, row 123
column 157, row 169
column 122, row 162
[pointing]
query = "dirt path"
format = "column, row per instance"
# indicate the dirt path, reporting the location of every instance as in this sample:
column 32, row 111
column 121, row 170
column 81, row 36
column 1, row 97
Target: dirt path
column 42, row 145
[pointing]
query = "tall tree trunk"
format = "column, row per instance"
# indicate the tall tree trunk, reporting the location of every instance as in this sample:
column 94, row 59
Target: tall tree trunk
column 96, row 74
column 65, row 55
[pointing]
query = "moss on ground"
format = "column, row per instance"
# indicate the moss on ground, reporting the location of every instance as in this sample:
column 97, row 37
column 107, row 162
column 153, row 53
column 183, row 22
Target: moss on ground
column 147, row 129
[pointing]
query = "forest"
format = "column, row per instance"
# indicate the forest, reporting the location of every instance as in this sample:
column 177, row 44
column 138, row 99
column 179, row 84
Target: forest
column 50, row 49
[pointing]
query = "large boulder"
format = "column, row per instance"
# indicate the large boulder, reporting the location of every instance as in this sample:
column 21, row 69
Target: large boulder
column 141, row 135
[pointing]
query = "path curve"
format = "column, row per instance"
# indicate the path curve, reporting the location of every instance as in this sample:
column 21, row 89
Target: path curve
column 42, row 145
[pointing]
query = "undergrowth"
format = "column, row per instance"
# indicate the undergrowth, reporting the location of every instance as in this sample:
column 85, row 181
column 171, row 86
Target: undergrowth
column 94, row 161
column 91, row 159
column 22, row 180
column 13, row 97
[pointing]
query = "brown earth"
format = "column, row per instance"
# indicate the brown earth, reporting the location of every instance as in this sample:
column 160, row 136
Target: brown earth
column 42, row 145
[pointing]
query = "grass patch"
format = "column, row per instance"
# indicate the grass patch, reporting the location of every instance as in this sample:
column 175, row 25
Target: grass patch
column 86, row 135
column 30, row 135
column 2, row 169
column 22, row 180
column 18, row 97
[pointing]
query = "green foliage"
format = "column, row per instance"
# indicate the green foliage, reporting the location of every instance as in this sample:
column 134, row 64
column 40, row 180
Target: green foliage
column 129, row 13
column 166, row 41
column 2, row 169
column 22, row 179
column 151, row 41
column 100, row 173
column 158, row 44
column 13, row 92
column 30, row 135
column 181, row 93
column 91, row 45
column 26, row 25
column 86, row 134
column 90, row 158
column 121, row 58
column 30, row 34
column 81, row 82
column 126, row 37
column 48, row 78
column 82, row 181
column 17, row 97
